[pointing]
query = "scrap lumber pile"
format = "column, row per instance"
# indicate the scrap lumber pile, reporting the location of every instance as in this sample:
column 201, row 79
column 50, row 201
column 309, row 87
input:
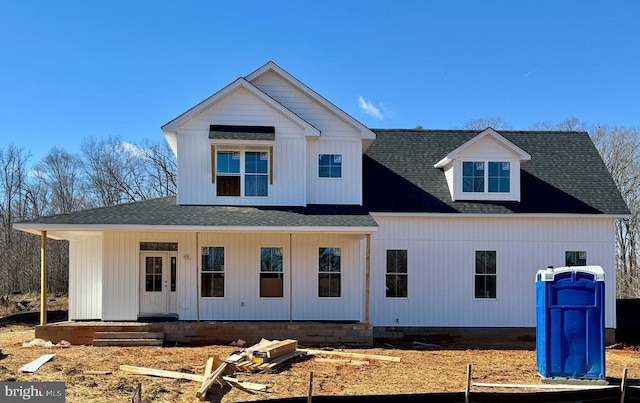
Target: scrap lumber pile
column 268, row 356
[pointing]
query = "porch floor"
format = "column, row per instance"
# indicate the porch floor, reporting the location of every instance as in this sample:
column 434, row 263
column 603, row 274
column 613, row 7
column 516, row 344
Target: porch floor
column 206, row 333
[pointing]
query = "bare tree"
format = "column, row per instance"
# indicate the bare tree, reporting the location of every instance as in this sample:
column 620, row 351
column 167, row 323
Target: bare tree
column 13, row 176
column 494, row 122
column 61, row 174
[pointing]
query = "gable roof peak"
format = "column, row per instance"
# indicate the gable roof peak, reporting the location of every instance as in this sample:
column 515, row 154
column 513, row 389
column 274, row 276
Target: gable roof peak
column 342, row 115
column 488, row 132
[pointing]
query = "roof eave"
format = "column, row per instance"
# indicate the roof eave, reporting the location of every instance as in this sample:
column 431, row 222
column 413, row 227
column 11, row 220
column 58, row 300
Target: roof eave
column 38, row 228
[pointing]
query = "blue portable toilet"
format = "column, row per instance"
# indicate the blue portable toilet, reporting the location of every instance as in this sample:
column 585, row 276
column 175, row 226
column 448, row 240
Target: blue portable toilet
column 570, row 322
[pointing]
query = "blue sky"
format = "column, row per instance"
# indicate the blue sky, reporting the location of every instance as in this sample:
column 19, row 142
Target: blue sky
column 73, row 69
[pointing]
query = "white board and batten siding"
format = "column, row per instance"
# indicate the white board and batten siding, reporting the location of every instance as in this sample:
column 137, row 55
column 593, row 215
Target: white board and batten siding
column 85, row 277
column 241, row 108
column 300, row 299
column 441, row 267
column 121, row 272
column 337, row 137
column 241, row 301
column 344, row 190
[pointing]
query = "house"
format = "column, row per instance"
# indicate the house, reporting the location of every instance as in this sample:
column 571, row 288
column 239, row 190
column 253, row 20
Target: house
column 289, row 209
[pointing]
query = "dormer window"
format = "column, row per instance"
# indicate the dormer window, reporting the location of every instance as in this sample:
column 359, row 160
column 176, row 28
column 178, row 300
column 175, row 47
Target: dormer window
column 477, row 179
column 484, row 168
column 242, row 170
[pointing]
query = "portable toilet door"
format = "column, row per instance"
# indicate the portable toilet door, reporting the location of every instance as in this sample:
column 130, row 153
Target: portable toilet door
column 570, row 322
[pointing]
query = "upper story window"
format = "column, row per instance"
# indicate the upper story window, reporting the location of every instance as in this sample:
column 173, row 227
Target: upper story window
column 330, row 165
column 242, row 173
column 477, row 179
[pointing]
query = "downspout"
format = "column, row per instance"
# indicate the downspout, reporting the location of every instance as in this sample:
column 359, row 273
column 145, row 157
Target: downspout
column 43, row 278
column 290, row 280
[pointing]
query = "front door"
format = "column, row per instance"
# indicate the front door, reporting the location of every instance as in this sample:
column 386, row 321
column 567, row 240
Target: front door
column 158, row 271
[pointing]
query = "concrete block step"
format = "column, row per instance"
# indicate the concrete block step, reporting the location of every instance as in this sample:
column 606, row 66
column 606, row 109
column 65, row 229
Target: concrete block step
column 128, row 335
column 127, row 342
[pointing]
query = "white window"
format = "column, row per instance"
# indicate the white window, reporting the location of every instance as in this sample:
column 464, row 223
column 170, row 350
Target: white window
column 242, row 173
column 476, row 178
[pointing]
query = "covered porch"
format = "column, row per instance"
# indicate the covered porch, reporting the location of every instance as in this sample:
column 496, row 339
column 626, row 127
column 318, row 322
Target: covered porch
column 207, row 263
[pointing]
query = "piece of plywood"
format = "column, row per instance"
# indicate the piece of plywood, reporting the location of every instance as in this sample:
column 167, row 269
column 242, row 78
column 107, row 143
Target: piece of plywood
column 37, row 363
column 352, row 355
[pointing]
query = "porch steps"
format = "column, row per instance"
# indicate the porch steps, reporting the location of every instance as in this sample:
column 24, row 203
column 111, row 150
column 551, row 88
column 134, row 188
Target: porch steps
column 127, row 339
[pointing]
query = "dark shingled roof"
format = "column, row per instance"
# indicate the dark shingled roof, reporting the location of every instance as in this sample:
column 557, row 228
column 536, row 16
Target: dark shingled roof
column 165, row 211
column 566, row 174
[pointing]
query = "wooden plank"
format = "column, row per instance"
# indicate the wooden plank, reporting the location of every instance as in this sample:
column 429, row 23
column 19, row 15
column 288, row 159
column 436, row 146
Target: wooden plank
column 258, row 387
column 542, row 386
column 353, row 355
column 37, row 363
column 161, row 373
column 341, row 361
column 280, row 348
column 234, row 382
column 208, row 368
column 202, row 392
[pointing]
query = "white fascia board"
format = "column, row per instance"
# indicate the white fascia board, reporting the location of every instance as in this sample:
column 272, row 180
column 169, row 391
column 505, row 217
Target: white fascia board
column 506, row 215
column 38, row 228
column 366, row 133
column 173, row 126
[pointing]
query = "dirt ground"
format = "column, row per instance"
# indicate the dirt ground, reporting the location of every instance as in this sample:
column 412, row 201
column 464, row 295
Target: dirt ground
column 441, row 369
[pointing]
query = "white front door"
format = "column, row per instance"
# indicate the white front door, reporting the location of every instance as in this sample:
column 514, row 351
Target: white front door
column 158, row 272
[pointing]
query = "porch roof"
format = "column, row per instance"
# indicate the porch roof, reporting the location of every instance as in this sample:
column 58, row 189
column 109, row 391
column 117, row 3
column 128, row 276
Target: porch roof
column 165, row 214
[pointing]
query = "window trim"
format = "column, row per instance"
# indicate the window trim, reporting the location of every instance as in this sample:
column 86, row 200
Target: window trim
column 475, row 275
column 387, row 273
column 215, row 175
column 260, row 272
column 330, row 177
column 223, row 271
column 318, row 272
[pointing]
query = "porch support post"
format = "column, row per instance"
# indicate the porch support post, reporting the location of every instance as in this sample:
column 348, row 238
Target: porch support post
column 367, row 264
column 43, row 278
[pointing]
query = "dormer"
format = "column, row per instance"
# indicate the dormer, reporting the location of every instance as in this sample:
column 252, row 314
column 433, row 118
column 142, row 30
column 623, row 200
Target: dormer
column 485, row 168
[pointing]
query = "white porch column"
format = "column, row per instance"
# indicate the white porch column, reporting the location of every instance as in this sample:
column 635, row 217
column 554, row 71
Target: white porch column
column 367, row 279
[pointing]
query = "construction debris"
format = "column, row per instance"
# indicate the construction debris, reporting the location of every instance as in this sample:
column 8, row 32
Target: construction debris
column 37, row 363
column 351, row 355
column 266, row 356
column 47, row 344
